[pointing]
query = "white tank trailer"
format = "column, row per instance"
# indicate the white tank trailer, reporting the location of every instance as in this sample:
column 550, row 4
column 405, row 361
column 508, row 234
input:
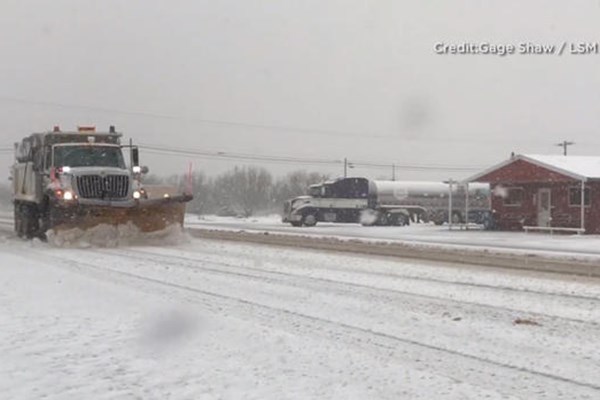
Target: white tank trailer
column 374, row 202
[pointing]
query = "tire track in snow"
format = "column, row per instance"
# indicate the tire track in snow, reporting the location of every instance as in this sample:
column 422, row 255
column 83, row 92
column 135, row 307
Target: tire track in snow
column 380, row 341
column 399, row 275
column 290, row 278
column 316, row 324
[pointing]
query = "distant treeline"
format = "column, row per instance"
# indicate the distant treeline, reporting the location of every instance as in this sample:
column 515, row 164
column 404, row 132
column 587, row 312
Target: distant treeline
column 242, row 191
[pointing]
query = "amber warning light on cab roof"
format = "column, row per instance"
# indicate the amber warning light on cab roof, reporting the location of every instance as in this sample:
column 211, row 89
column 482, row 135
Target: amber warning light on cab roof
column 86, row 128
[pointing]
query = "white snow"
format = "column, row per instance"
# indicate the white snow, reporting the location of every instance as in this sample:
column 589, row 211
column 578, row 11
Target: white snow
column 571, row 246
column 584, row 166
column 215, row 320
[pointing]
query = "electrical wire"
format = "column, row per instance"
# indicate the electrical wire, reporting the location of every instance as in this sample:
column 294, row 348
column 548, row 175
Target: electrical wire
column 152, row 149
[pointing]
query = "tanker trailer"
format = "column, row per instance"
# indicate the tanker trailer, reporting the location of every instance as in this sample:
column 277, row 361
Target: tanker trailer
column 377, row 202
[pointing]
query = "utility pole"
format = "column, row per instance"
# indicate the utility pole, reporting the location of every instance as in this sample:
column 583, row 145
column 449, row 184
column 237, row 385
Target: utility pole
column 393, row 172
column 345, row 167
column 564, row 145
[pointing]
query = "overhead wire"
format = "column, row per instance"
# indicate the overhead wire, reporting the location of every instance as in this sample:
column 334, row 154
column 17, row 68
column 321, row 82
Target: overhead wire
column 279, row 129
column 153, row 149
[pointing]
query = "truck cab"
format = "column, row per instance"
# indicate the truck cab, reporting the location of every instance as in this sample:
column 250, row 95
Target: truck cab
column 339, row 200
column 57, row 172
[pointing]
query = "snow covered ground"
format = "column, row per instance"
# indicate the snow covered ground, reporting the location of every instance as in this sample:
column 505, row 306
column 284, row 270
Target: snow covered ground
column 216, row 320
column 423, row 234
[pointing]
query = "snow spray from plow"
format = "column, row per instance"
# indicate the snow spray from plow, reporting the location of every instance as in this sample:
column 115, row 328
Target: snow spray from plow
column 149, row 223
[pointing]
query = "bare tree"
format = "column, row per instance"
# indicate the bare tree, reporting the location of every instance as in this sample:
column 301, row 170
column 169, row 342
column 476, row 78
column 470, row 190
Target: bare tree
column 245, row 190
column 295, row 184
column 241, row 191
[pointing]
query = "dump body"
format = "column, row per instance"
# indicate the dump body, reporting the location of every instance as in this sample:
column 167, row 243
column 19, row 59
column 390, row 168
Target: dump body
column 64, row 180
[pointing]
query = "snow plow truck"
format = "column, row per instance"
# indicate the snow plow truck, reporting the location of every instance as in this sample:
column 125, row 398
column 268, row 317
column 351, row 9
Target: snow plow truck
column 79, row 179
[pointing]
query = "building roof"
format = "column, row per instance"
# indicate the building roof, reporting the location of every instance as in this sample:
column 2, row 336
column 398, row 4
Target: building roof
column 576, row 167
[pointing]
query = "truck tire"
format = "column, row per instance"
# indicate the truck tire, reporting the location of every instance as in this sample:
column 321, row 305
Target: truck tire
column 26, row 221
column 296, row 223
column 18, row 220
column 457, row 218
column 401, row 220
column 368, row 217
column 44, row 219
column 383, row 219
column 309, row 220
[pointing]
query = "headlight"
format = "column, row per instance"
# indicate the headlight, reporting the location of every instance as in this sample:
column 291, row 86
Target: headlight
column 136, row 194
column 137, row 169
column 68, row 195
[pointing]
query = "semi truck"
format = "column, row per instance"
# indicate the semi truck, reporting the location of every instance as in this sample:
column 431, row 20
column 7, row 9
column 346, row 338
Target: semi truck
column 80, row 179
column 378, row 202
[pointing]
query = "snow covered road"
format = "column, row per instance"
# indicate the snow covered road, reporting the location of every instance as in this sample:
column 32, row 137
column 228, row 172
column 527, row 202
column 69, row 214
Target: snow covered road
column 417, row 234
column 217, row 320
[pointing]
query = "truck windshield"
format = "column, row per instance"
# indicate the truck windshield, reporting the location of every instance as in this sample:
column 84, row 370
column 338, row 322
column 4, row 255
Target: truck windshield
column 314, row 191
column 88, row 156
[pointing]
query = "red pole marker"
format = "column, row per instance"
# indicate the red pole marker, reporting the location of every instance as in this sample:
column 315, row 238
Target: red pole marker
column 189, row 179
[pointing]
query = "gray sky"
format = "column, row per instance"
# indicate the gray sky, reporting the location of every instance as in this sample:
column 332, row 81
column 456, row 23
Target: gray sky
column 341, row 78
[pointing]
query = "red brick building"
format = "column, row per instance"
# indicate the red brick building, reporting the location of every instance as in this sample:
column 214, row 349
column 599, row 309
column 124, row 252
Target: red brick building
column 545, row 192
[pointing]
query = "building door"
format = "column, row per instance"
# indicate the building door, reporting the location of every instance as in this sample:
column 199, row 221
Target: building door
column 544, row 207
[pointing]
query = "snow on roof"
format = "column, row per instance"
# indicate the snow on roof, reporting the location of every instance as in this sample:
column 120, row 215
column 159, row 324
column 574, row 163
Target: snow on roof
column 576, row 167
column 582, row 166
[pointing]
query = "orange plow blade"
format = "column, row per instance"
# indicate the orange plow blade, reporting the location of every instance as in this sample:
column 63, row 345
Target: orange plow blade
column 150, row 215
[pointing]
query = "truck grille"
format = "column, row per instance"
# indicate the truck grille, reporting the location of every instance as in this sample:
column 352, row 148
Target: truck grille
column 103, row 187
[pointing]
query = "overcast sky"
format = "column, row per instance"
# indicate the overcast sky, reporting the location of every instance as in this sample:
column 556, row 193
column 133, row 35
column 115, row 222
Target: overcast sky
column 323, row 79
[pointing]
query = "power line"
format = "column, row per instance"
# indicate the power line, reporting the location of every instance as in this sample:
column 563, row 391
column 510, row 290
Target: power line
column 239, row 124
column 223, row 154
column 251, row 125
column 152, row 149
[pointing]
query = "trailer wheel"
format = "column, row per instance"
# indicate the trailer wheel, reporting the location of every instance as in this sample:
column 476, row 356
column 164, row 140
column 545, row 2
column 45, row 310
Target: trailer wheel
column 456, row 218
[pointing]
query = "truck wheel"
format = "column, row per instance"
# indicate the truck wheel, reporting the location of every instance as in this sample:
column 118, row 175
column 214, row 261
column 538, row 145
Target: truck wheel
column 296, row 223
column 309, row 220
column 401, row 220
column 456, row 218
column 44, row 219
column 384, row 219
column 18, row 221
column 30, row 225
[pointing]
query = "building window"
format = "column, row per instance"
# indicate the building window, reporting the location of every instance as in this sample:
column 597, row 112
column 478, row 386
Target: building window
column 575, row 197
column 514, row 197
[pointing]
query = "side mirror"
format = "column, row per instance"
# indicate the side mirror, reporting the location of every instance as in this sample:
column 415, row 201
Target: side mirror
column 135, row 156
